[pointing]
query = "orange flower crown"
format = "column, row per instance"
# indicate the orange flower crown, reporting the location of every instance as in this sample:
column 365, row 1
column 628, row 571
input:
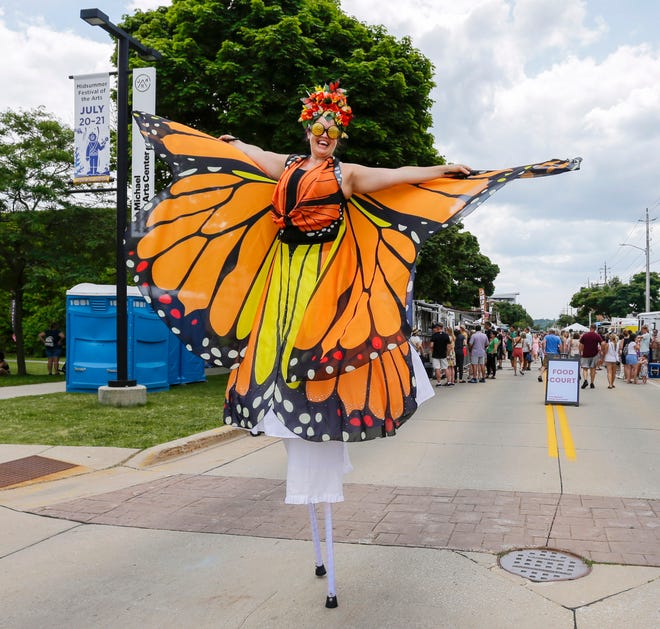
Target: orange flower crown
column 328, row 101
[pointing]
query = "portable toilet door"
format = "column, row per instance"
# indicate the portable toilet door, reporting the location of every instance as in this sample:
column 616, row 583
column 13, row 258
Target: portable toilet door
column 91, row 337
column 148, row 341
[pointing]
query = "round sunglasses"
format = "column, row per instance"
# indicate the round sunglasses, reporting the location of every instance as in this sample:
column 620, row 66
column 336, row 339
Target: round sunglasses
column 334, row 132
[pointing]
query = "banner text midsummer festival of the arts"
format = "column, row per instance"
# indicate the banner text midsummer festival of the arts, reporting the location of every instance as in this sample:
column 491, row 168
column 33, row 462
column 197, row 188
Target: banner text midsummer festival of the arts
column 92, row 128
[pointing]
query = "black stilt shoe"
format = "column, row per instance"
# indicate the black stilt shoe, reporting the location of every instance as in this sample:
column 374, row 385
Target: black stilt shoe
column 320, row 571
column 331, row 602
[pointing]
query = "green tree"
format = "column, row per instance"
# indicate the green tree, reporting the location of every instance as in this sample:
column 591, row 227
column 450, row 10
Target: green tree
column 451, row 269
column 35, row 163
column 565, row 320
column 617, row 299
column 241, row 67
column 514, row 314
column 45, row 241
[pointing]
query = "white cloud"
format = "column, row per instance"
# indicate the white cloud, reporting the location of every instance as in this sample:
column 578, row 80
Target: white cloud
column 37, row 62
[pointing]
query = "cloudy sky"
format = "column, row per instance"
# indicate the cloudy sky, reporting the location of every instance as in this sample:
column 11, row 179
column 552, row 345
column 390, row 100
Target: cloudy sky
column 517, row 82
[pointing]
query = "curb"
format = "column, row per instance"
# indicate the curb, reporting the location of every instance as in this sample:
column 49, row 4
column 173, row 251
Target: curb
column 181, row 447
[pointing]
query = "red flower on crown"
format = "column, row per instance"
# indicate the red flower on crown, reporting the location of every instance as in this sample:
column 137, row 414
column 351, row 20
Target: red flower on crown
column 329, row 100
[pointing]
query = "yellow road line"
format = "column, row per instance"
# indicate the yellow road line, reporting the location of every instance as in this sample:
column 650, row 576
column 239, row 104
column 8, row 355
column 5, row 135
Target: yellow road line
column 566, row 437
column 553, row 450
column 564, row 428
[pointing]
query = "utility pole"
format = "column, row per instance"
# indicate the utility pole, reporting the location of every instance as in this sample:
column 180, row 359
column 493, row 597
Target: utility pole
column 648, row 268
column 647, row 253
column 604, row 270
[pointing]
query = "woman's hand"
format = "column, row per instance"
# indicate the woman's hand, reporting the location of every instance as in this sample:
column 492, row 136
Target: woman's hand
column 457, row 169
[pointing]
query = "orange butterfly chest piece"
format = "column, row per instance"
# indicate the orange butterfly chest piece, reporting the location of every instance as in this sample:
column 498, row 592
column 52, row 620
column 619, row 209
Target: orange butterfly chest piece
column 308, row 204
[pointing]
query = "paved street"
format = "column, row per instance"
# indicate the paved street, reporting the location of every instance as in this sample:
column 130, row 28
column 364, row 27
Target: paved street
column 205, row 540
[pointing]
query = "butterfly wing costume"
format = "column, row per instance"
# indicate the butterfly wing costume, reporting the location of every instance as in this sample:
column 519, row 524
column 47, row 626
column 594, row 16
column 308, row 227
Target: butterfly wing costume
column 300, row 293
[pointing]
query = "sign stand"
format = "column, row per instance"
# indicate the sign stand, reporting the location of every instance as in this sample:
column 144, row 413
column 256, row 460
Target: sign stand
column 562, row 385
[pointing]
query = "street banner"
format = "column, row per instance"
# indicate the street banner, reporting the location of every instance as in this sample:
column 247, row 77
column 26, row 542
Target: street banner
column 91, row 158
column 483, row 304
column 562, row 383
column 142, row 173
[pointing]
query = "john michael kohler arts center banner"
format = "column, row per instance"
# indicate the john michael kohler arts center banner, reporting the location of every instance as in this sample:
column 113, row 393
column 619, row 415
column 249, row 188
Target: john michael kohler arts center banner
column 142, row 171
column 92, row 128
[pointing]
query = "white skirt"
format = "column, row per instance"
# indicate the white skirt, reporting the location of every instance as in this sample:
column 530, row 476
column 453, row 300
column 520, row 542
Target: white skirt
column 315, row 470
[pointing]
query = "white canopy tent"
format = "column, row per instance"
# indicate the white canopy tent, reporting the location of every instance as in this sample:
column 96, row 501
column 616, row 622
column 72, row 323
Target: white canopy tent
column 575, row 327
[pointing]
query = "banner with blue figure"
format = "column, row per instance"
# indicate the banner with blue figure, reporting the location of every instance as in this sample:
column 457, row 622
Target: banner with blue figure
column 92, row 128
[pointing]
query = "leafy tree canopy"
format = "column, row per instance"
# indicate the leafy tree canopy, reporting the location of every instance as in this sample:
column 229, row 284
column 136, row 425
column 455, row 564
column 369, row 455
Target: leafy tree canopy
column 35, row 161
column 616, row 299
column 241, row 67
column 514, row 315
column 451, row 269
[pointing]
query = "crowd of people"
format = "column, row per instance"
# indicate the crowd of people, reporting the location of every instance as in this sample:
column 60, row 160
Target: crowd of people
column 462, row 355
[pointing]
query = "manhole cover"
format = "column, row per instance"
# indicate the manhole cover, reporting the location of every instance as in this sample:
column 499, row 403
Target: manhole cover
column 29, row 468
column 544, row 564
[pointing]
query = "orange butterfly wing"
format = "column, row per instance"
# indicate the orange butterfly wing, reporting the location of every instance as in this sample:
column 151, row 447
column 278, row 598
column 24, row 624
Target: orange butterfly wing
column 199, row 250
column 358, row 310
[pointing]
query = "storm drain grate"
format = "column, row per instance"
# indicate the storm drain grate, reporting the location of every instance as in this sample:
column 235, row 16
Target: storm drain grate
column 29, row 468
column 544, row 564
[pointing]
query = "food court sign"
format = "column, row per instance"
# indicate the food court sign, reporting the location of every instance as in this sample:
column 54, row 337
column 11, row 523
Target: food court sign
column 563, row 378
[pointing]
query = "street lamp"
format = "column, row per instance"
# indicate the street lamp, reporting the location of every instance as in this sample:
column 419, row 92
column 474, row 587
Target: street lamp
column 95, row 17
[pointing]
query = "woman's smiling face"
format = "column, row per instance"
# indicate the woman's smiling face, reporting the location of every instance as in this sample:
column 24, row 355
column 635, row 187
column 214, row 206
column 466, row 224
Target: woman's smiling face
column 322, row 145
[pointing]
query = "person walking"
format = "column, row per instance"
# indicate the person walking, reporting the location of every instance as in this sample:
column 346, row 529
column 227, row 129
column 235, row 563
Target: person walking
column 478, row 343
column 500, row 349
column 52, row 338
column 632, row 359
column 574, row 346
column 609, row 351
column 551, row 346
column 517, row 359
column 527, row 350
column 491, row 354
column 459, row 355
column 439, row 344
column 590, row 345
column 450, row 372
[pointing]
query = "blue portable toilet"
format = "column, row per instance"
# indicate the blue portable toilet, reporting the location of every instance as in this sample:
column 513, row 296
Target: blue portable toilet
column 91, row 340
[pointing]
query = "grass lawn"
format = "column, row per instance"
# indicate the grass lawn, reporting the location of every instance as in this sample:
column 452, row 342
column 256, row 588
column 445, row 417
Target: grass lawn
column 77, row 419
column 37, row 369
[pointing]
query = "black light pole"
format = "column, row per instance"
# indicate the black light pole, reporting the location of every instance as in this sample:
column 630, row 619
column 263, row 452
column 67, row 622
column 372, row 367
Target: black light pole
column 124, row 43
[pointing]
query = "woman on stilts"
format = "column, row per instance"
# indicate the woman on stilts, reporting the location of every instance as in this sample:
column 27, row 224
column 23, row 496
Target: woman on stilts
column 294, row 271
column 312, row 190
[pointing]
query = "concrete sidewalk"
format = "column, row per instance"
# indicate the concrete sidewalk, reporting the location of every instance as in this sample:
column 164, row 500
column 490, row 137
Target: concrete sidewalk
column 185, row 543
column 32, row 389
